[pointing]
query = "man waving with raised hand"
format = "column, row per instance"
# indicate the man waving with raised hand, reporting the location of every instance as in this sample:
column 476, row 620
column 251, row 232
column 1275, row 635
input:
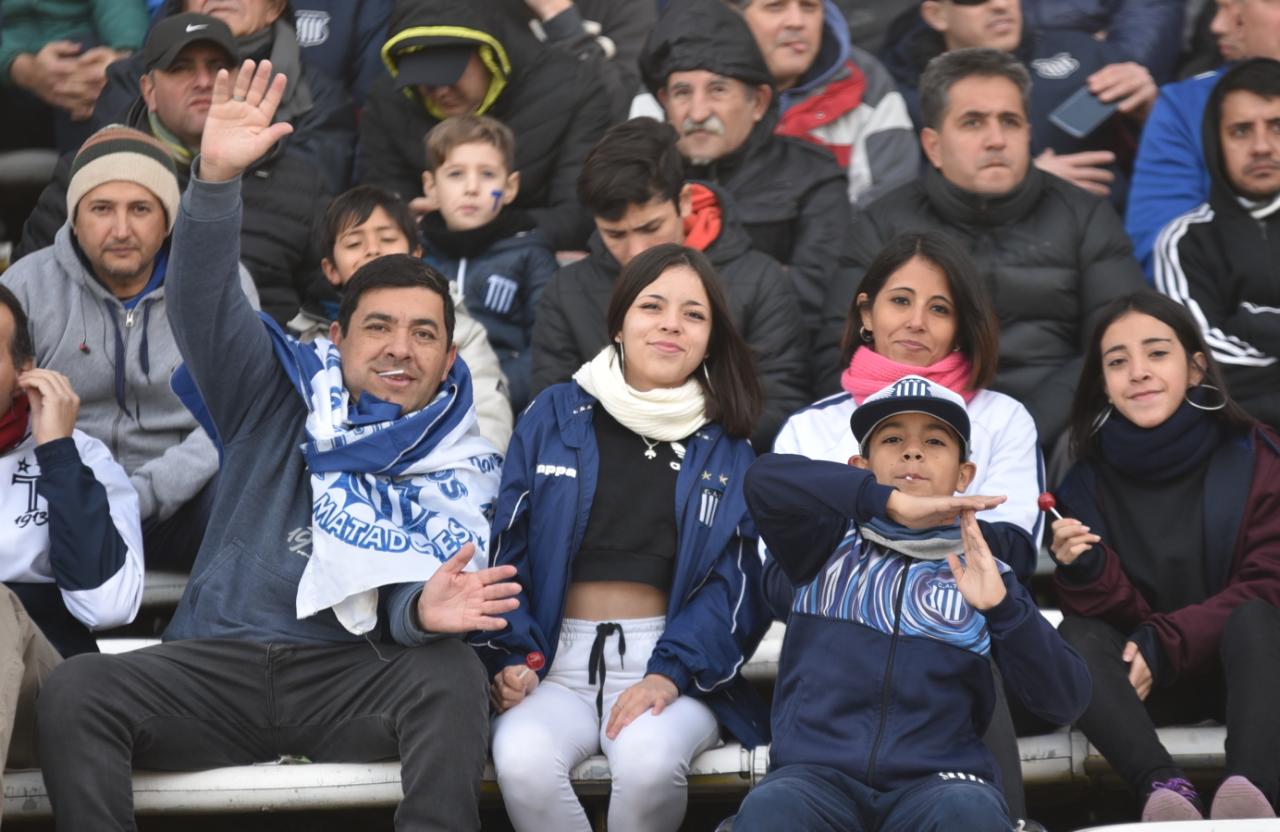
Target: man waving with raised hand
column 350, row 512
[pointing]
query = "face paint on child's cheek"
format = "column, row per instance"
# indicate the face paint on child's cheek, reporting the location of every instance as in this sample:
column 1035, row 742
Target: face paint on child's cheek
column 497, row 200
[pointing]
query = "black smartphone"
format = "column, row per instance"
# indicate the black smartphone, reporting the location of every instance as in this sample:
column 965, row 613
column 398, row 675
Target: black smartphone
column 1081, row 113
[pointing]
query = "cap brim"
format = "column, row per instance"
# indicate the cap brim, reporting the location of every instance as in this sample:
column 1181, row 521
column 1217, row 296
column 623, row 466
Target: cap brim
column 868, row 416
column 433, row 67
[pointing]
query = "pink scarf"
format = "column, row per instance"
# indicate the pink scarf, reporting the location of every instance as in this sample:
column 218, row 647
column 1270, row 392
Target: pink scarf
column 869, row 372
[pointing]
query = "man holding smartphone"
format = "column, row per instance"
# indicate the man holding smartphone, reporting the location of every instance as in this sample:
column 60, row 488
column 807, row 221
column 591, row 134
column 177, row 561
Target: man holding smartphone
column 1073, row 70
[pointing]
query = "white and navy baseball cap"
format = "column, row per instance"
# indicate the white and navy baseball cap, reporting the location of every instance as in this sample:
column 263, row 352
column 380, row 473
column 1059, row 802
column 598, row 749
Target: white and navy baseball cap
column 912, row 394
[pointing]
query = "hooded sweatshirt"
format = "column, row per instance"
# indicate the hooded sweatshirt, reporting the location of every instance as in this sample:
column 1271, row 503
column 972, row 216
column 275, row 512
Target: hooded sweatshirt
column 571, row 329
column 848, row 103
column 119, row 362
column 553, row 103
column 1220, row 261
column 791, row 196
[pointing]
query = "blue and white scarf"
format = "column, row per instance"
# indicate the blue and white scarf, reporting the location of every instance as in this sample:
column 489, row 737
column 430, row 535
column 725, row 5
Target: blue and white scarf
column 393, row 496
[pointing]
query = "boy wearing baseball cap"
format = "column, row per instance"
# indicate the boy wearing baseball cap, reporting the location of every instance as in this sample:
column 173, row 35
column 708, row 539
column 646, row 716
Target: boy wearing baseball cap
column 884, row 686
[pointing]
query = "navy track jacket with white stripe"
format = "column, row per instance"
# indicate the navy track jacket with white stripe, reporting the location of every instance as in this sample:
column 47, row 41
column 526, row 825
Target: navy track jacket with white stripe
column 885, row 674
column 716, row 614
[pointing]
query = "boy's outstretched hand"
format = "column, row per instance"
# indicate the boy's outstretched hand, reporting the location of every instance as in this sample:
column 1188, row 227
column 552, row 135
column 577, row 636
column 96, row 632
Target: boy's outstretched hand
column 238, row 130
column 917, row 512
column 978, row 578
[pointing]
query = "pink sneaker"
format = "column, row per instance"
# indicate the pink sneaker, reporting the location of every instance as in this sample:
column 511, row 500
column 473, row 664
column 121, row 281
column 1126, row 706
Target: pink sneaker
column 1174, row 799
column 1238, row 798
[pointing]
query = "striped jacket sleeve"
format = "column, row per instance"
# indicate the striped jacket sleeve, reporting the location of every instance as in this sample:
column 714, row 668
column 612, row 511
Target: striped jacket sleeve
column 1239, row 334
column 885, row 151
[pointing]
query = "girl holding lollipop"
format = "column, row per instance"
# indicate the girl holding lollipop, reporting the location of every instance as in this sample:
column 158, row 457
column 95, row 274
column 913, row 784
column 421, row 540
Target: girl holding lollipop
column 1169, row 560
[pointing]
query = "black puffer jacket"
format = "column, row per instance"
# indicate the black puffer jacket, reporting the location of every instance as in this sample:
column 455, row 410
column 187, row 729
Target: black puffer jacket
column 555, row 105
column 323, row 114
column 570, row 328
column 1221, row 260
column 792, row 197
column 283, row 202
column 1053, row 256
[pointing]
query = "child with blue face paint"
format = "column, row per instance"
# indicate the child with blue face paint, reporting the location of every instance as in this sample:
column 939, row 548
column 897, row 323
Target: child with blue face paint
column 495, row 259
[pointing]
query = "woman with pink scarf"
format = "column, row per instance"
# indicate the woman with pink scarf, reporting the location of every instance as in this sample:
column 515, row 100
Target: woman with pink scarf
column 922, row 309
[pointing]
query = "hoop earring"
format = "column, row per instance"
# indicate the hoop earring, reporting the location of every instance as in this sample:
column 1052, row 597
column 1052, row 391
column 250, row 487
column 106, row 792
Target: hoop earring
column 867, row 337
column 622, row 354
column 1205, row 408
column 1101, row 420
column 707, row 375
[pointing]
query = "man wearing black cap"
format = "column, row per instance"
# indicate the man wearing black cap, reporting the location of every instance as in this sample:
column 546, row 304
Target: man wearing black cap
column 456, row 57
column 282, row 197
column 703, row 65
column 319, row 108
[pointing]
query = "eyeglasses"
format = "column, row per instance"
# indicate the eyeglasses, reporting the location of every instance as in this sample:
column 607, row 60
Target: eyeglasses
column 969, row 2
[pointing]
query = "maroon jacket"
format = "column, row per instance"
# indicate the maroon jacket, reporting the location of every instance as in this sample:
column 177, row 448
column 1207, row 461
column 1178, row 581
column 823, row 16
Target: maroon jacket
column 1242, row 503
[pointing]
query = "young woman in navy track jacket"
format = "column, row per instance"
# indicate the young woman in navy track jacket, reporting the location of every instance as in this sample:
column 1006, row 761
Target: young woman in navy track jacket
column 621, row 506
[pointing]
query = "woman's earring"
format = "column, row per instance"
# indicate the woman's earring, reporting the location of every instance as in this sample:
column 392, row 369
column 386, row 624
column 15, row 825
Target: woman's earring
column 866, row 335
column 622, row 354
column 1221, row 404
column 1101, row 420
column 707, row 374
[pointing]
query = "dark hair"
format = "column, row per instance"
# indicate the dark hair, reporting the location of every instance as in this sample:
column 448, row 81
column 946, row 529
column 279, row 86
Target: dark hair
column 633, row 163
column 1260, row 76
column 459, row 130
column 977, row 333
column 941, row 73
column 21, row 348
column 1091, row 394
column 354, row 207
column 732, row 392
column 395, row 271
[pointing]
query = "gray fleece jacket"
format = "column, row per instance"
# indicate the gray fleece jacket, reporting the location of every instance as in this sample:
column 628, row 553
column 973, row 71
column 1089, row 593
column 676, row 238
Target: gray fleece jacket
column 119, row 362
column 244, row 584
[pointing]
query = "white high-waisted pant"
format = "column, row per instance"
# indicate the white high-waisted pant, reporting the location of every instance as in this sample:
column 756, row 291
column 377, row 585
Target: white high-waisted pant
column 538, row 742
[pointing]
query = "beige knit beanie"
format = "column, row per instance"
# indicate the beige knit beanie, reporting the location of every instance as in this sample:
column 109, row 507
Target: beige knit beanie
column 117, row 153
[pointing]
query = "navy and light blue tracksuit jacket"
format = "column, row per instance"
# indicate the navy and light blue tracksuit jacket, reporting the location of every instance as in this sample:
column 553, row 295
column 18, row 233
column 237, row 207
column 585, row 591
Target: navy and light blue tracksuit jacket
column 885, row 674
column 716, row 614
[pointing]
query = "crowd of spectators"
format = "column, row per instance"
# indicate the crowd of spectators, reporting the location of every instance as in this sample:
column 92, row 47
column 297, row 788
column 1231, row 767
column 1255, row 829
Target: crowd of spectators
column 437, row 341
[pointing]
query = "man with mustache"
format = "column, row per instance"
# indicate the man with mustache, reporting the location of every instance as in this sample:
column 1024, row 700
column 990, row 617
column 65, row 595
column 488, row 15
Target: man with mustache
column 703, row 65
column 1219, row 259
column 1052, row 254
column 833, row 94
column 282, row 197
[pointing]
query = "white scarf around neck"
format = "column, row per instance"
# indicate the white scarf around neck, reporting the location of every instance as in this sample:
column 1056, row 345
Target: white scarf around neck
column 667, row 414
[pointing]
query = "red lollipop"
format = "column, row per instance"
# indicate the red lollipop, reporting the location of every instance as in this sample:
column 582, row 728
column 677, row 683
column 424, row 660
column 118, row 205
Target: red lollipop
column 535, row 661
column 1048, row 504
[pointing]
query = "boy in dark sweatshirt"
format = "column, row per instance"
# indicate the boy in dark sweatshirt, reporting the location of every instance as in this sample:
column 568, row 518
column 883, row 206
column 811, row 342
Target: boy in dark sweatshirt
column 884, row 687
column 496, row 260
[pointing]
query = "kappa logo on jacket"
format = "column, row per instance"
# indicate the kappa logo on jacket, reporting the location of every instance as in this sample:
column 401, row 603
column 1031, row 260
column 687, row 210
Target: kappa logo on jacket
column 555, row 471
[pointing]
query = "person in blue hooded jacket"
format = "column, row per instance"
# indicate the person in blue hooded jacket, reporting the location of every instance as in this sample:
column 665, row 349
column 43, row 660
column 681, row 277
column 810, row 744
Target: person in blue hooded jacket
column 621, row 508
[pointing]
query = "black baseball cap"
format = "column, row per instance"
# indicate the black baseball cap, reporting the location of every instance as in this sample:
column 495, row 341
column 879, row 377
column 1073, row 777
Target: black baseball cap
column 173, row 34
column 435, row 66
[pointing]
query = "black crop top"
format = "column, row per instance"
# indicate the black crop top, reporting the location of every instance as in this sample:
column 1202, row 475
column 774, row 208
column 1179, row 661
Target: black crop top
column 631, row 533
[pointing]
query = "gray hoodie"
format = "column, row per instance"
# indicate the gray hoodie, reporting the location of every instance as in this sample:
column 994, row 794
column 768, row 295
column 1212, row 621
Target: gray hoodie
column 75, row 322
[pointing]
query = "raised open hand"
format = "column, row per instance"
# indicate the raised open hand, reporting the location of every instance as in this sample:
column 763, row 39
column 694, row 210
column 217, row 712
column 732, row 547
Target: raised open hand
column 454, row 601
column 238, row 130
column 978, row 576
